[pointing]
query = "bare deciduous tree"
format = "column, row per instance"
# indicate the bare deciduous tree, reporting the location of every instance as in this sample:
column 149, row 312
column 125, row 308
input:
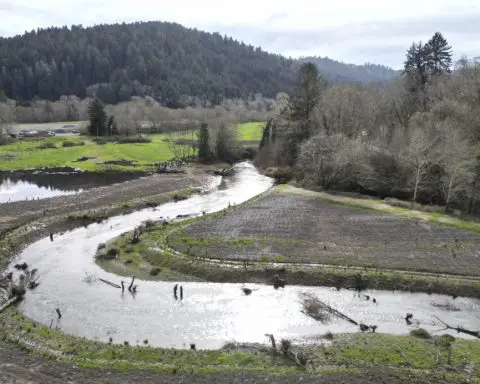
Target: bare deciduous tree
column 457, row 161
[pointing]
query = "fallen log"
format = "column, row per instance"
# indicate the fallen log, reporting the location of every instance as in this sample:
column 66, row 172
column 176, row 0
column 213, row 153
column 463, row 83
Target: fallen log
column 460, row 329
column 320, row 311
column 110, row 283
column 10, row 302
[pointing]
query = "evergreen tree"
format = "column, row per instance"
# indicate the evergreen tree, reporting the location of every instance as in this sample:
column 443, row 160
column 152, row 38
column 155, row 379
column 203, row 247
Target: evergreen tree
column 306, row 97
column 440, row 54
column 204, row 152
column 307, row 92
column 98, row 118
column 266, row 134
column 417, row 63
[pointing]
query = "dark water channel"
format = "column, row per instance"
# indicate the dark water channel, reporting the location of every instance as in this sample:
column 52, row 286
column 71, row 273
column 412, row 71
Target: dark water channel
column 210, row 314
column 26, row 185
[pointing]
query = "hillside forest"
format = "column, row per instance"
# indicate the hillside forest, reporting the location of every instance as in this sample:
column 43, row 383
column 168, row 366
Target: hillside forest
column 176, row 66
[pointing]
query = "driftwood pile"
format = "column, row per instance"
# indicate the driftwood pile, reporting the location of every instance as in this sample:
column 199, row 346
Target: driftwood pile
column 12, row 290
column 320, row 311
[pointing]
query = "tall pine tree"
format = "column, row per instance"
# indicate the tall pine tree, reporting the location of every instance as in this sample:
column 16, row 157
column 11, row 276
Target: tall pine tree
column 440, row 54
column 98, row 118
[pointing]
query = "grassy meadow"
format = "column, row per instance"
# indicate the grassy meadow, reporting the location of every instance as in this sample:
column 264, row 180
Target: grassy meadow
column 25, row 154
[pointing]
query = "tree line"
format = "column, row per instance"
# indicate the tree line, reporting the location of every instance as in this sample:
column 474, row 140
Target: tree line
column 177, row 66
column 416, row 138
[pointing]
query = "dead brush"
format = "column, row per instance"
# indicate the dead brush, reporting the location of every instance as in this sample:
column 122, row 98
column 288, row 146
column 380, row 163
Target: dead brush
column 315, row 308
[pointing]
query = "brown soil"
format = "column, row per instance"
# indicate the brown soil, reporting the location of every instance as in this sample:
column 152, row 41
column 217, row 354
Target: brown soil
column 304, row 229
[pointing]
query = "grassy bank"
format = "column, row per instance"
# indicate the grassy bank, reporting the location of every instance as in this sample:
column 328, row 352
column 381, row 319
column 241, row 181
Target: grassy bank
column 407, row 356
column 381, row 206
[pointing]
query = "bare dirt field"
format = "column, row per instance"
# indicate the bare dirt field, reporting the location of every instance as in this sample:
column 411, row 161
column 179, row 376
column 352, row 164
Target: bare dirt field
column 305, row 229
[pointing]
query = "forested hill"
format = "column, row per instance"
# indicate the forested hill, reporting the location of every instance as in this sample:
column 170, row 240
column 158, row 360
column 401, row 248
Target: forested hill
column 338, row 72
column 163, row 60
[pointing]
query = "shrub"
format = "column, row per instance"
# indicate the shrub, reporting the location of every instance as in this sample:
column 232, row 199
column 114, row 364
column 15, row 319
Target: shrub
column 248, row 153
column 155, row 271
column 281, row 175
column 285, row 346
column 421, row 333
column 48, row 145
column 134, row 139
column 149, row 224
column 110, row 254
column 4, row 139
column 328, row 336
column 104, row 140
column 444, row 340
column 66, row 144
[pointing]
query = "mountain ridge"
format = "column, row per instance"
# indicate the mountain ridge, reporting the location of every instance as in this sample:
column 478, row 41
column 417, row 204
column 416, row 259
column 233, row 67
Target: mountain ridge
column 178, row 66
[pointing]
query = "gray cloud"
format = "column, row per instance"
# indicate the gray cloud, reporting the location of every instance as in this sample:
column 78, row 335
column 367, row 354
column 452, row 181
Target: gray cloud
column 378, row 41
column 382, row 41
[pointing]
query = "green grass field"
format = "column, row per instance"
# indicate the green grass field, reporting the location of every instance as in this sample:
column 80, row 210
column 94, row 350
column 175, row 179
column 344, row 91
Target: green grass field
column 251, row 131
column 25, row 154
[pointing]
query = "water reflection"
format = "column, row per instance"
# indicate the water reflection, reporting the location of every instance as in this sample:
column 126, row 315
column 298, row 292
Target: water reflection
column 19, row 190
column 20, row 186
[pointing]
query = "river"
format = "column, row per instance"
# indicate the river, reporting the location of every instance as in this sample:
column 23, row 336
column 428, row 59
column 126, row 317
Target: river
column 210, row 314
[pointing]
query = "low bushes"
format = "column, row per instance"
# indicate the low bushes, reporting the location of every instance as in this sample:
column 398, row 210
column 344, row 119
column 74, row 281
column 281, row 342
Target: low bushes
column 48, row 145
column 282, row 175
column 133, row 139
column 4, row 139
column 122, row 139
column 67, row 144
column 421, row 333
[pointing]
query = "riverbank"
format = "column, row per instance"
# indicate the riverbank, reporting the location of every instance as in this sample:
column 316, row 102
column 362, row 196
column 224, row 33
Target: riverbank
column 334, row 357
column 377, row 359
column 24, row 222
column 307, row 241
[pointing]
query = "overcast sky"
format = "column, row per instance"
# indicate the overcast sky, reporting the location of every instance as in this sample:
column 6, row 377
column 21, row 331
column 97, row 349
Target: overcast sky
column 377, row 31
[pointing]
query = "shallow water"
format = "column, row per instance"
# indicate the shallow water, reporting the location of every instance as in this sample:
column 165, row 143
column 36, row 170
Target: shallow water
column 210, row 314
column 19, row 190
column 21, row 186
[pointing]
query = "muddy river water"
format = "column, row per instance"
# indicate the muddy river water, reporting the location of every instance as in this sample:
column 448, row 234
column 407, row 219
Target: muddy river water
column 210, row 314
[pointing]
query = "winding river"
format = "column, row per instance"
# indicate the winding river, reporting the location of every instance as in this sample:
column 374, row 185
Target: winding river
column 210, row 314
